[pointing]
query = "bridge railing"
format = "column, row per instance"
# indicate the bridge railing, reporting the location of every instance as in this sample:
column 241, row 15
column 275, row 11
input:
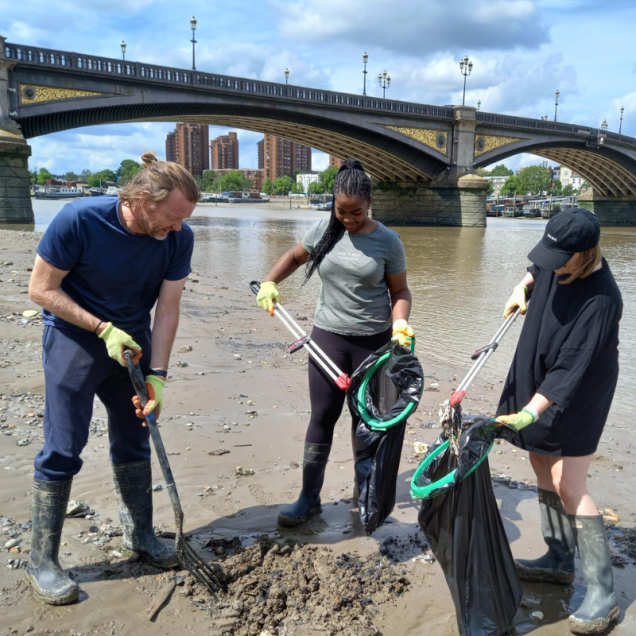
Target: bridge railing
column 550, row 126
column 151, row 73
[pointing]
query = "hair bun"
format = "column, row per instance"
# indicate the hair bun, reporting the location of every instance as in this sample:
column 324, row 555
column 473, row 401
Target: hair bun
column 149, row 157
column 351, row 164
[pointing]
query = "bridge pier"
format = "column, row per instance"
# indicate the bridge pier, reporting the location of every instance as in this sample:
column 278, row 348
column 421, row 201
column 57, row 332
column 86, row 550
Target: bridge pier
column 15, row 194
column 610, row 210
column 455, row 202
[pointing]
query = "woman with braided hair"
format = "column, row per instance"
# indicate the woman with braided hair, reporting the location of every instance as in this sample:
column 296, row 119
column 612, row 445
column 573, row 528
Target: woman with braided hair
column 364, row 303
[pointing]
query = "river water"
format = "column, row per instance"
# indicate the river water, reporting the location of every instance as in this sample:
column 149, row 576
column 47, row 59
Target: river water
column 460, row 278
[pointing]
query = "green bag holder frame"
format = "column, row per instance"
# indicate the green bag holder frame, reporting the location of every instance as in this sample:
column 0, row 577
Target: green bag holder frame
column 379, row 425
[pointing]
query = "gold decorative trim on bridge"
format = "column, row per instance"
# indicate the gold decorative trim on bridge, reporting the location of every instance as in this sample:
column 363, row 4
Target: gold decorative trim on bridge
column 486, row 143
column 435, row 139
column 37, row 94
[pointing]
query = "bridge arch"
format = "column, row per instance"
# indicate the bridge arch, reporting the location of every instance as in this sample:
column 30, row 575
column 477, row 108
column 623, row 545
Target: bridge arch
column 610, row 171
column 387, row 155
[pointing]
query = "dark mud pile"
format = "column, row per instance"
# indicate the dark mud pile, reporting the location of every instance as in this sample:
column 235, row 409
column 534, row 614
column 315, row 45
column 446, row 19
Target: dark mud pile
column 285, row 588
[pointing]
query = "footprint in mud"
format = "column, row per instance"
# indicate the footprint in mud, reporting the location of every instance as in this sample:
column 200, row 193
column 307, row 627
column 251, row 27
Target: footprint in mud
column 262, row 496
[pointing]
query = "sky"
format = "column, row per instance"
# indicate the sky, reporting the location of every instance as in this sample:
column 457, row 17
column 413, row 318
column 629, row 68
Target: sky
column 522, row 50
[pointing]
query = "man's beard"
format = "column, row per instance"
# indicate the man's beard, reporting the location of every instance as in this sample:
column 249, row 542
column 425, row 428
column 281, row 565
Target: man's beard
column 155, row 234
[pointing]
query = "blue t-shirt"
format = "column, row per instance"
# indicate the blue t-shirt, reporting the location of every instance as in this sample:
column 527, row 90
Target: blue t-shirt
column 112, row 273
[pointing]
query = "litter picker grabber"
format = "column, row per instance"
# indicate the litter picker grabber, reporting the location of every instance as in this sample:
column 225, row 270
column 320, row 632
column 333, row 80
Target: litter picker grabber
column 450, row 415
column 304, row 341
column 200, row 570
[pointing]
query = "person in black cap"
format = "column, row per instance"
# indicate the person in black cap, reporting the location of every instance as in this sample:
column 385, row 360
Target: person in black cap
column 557, row 396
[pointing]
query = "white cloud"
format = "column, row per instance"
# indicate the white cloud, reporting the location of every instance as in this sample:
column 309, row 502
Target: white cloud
column 319, row 160
column 418, row 28
column 97, row 148
column 514, row 84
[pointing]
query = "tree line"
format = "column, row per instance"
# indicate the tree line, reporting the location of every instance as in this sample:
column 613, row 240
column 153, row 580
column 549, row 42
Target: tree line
column 530, row 180
column 235, row 180
column 126, row 171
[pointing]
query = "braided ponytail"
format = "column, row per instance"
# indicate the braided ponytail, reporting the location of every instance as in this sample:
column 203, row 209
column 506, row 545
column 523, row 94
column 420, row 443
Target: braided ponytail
column 350, row 180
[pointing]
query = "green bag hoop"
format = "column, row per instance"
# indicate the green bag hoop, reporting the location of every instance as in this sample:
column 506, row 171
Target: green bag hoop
column 424, row 492
column 379, row 425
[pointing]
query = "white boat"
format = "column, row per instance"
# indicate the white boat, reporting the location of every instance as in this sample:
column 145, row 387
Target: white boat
column 58, row 192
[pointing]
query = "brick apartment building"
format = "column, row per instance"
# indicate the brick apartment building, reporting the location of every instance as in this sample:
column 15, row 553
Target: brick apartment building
column 225, row 152
column 278, row 157
column 188, row 145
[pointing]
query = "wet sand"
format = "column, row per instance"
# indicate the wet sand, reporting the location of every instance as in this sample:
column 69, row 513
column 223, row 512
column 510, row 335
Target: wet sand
column 237, row 364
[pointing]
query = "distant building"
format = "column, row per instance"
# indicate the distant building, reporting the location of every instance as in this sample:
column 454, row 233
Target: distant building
column 569, row 177
column 225, row 152
column 278, row 157
column 255, row 176
column 335, row 161
column 171, row 146
column 188, row 145
column 497, row 184
column 306, row 178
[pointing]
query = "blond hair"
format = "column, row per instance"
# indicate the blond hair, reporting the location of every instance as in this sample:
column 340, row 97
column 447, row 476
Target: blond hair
column 586, row 263
column 159, row 179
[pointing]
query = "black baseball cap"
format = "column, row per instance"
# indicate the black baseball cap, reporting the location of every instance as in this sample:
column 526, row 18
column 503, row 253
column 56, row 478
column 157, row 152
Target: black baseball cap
column 568, row 232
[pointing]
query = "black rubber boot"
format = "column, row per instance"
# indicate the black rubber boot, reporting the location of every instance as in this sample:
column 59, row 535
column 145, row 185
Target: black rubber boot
column 308, row 504
column 133, row 484
column 600, row 606
column 50, row 583
column 557, row 565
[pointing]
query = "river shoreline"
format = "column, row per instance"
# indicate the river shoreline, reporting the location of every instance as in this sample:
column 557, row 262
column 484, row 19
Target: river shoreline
column 238, row 363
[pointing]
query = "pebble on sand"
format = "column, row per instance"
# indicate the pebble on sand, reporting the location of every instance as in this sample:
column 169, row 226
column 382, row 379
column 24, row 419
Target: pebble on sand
column 243, row 472
column 30, row 313
column 420, row 448
column 76, row 508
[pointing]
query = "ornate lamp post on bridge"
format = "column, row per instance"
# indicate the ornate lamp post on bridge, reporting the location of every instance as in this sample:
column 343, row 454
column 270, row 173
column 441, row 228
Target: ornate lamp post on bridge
column 604, row 125
column 385, row 81
column 193, row 26
column 365, row 59
column 286, row 76
column 556, row 103
column 620, row 126
column 465, row 68
column 123, row 50
column 478, row 105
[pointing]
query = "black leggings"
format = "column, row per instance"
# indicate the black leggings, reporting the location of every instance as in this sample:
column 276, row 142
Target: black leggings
column 327, row 400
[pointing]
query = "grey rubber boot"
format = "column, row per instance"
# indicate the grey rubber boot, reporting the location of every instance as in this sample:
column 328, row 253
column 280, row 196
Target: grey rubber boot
column 133, row 485
column 557, row 565
column 600, row 606
column 49, row 581
column 308, row 504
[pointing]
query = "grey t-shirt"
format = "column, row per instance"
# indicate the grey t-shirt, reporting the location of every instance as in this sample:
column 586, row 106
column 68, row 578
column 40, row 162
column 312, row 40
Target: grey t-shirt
column 354, row 300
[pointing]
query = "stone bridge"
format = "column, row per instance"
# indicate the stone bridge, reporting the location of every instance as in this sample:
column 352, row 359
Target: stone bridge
column 422, row 157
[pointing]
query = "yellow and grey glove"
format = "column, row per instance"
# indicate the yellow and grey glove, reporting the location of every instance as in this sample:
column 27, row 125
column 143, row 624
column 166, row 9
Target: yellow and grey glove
column 154, row 386
column 115, row 340
column 267, row 295
column 519, row 420
column 518, row 299
column 403, row 334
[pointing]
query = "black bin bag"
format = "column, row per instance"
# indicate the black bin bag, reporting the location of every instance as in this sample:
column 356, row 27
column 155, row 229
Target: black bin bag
column 461, row 522
column 385, row 390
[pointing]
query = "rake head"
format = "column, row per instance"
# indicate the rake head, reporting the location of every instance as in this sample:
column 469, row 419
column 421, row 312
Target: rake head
column 203, row 572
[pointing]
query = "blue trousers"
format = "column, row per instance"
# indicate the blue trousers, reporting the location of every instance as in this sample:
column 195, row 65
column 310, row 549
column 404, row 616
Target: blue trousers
column 76, row 369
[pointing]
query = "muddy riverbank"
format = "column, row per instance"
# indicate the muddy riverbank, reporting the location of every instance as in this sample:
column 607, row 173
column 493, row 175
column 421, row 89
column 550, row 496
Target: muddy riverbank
column 233, row 387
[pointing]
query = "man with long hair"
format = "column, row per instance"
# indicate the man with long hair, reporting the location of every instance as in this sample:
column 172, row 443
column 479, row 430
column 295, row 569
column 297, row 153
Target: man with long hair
column 100, row 268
